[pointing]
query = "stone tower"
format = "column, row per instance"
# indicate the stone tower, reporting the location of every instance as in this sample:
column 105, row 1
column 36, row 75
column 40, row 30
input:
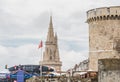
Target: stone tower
column 104, row 34
column 51, row 53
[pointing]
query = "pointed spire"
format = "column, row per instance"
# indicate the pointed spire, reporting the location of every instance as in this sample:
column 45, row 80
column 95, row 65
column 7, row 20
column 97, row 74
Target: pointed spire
column 56, row 38
column 50, row 36
column 51, row 24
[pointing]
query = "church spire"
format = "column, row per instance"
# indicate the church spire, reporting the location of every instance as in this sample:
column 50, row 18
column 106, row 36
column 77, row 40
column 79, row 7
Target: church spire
column 50, row 36
column 51, row 53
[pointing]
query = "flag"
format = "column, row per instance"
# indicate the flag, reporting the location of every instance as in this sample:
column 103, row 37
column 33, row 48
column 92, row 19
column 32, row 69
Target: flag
column 40, row 45
column 15, row 67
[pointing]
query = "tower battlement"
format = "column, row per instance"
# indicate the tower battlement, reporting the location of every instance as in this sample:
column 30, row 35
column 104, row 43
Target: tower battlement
column 104, row 13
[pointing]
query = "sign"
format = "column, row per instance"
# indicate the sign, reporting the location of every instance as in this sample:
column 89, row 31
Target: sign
column 26, row 76
column 20, row 76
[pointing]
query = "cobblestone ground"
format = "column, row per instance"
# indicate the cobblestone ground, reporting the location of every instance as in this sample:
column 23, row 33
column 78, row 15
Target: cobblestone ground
column 58, row 79
column 55, row 80
column 62, row 79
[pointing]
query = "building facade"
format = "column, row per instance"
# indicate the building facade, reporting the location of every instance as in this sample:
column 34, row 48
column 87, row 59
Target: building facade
column 82, row 66
column 79, row 68
column 51, row 54
column 104, row 34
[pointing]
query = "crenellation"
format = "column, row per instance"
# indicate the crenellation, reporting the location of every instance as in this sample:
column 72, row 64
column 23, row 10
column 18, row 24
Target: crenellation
column 91, row 13
column 115, row 11
column 104, row 13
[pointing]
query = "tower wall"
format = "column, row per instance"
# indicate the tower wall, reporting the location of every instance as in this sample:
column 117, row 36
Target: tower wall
column 104, row 34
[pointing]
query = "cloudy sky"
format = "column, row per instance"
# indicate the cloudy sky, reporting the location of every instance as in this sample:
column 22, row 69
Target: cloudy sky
column 23, row 23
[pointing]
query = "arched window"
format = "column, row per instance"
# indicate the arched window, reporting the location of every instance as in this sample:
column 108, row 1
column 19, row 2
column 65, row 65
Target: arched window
column 50, row 57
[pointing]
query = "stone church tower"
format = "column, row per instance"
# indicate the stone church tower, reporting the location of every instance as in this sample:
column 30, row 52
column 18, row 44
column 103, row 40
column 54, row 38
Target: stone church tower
column 51, row 54
column 104, row 34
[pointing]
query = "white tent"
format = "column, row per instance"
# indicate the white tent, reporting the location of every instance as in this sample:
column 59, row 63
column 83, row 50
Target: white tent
column 55, row 73
column 5, row 71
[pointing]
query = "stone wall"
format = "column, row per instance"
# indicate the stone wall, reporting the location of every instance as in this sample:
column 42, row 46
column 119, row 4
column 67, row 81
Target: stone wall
column 109, row 70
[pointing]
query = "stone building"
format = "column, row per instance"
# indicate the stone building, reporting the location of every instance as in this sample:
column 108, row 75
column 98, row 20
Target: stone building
column 83, row 65
column 79, row 68
column 104, row 34
column 51, row 54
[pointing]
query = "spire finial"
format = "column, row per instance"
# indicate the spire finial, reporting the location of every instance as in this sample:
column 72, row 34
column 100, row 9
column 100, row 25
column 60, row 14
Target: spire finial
column 51, row 24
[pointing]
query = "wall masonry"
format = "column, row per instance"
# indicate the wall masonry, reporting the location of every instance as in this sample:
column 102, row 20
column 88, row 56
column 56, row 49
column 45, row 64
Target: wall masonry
column 109, row 70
